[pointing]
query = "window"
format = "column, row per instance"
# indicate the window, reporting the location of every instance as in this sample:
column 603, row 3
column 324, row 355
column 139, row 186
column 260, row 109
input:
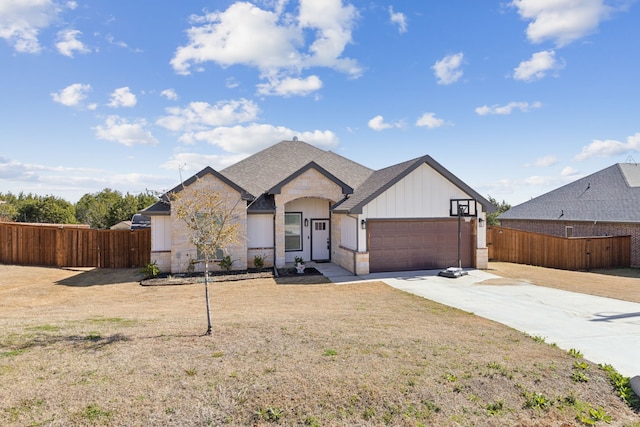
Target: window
column 218, row 256
column 568, row 231
column 293, row 231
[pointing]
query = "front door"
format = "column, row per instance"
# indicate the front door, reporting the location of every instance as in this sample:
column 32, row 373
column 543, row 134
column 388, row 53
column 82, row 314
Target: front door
column 320, row 242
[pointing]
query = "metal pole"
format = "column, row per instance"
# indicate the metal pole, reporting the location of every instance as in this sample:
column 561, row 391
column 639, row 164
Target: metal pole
column 460, row 208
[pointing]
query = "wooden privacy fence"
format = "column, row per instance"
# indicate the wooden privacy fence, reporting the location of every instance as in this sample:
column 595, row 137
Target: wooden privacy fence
column 576, row 253
column 70, row 246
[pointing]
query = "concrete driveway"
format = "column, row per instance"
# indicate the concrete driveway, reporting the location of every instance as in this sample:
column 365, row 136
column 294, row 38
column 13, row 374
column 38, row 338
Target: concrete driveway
column 604, row 330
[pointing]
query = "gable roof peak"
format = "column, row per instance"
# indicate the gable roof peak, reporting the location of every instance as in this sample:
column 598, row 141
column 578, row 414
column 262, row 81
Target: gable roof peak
column 265, row 169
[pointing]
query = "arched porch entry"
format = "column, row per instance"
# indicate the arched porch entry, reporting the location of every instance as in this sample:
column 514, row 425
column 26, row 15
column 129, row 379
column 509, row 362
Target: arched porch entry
column 307, row 229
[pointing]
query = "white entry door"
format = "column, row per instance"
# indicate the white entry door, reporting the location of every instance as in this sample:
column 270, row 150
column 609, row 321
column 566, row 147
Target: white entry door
column 320, row 241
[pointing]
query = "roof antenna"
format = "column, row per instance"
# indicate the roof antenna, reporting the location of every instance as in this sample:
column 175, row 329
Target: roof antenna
column 180, row 167
column 631, row 160
column 295, row 138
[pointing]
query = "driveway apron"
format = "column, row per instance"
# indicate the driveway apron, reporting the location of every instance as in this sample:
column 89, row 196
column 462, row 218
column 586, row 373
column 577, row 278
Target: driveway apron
column 604, row 330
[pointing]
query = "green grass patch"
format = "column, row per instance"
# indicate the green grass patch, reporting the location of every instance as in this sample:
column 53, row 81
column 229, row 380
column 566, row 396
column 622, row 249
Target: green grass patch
column 12, row 353
column 45, row 328
column 94, row 414
column 622, row 386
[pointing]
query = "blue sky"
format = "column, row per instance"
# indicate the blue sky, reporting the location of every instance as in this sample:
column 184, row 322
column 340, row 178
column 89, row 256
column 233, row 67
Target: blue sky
column 514, row 97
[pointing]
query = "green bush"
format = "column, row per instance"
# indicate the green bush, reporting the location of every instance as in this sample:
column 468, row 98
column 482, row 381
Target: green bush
column 151, row 270
column 226, row 263
column 258, row 261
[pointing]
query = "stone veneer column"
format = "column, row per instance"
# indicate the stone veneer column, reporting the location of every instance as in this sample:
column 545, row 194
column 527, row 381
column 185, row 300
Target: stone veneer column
column 279, row 233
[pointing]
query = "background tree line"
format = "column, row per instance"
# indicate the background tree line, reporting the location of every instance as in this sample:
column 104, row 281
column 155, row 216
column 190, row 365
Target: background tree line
column 100, row 210
column 105, row 208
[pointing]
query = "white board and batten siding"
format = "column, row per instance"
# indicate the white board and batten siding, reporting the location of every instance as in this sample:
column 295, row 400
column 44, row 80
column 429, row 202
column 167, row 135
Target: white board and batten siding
column 349, row 232
column 424, row 193
column 260, row 231
column 160, row 233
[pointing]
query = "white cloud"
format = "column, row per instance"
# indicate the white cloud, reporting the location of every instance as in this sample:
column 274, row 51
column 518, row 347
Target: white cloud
column 254, row 137
column 430, row 121
column 561, row 21
column 68, row 43
column 545, row 161
column 115, row 42
column 399, row 19
column 378, row 124
column 524, row 107
column 197, row 161
column 609, row 147
column 537, row 67
column 22, row 20
column 72, row 95
column 448, row 69
column 14, row 170
column 569, row 172
column 118, row 129
column 170, row 94
column 202, row 115
column 123, row 97
column 229, row 38
column 291, row 86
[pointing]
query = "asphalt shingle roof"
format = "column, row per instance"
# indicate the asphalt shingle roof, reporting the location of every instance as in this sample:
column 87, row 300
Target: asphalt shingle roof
column 382, row 179
column 269, row 167
column 610, row 195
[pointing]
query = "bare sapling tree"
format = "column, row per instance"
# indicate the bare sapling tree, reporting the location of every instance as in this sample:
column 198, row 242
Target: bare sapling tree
column 211, row 220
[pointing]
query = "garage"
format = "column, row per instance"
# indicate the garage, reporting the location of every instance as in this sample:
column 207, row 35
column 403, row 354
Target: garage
column 397, row 245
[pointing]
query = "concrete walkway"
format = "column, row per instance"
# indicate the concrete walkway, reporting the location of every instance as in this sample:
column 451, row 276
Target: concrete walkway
column 604, row 330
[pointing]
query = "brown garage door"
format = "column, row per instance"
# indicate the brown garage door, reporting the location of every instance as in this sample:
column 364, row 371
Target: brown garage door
column 396, row 245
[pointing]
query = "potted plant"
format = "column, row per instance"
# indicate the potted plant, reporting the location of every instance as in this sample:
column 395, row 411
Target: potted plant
column 299, row 265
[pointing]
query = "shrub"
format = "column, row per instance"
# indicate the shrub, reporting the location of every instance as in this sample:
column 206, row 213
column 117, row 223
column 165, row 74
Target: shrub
column 258, row 261
column 226, row 263
column 151, row 270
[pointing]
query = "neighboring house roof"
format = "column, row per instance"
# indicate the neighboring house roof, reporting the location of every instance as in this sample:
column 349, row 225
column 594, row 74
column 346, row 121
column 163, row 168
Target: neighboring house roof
column 266, row 169
column 382, row 180
column 610, row 195
column 122, row 225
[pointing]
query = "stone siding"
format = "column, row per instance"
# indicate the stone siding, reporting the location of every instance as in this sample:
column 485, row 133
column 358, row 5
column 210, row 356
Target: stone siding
column 183, row 251
column 267, row 253
column 311, row 183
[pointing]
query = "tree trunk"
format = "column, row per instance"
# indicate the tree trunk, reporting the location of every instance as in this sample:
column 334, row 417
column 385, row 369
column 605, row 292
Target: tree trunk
column 206, row 292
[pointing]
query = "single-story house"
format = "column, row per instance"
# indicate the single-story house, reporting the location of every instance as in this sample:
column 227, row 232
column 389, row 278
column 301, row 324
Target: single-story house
column 298, row 200
column 605, row 203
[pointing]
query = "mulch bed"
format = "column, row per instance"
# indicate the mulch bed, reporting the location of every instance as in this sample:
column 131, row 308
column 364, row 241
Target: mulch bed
column 225, row 276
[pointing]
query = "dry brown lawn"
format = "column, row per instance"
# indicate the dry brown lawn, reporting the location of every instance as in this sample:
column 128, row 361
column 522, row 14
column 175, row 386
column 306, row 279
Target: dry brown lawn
column 96, row 348
column 620, row 283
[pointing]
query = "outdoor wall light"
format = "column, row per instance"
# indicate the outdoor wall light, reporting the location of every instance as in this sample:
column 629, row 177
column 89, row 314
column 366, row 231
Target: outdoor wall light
column 480, row 222
column 363, row 224
column 306, row 222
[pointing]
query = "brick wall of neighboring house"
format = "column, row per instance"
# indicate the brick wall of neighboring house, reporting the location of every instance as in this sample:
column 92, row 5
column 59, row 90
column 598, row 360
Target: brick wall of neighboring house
column 582, row 229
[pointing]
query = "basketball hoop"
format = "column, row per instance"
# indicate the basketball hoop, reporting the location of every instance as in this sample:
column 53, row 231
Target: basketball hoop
column 461, row 208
